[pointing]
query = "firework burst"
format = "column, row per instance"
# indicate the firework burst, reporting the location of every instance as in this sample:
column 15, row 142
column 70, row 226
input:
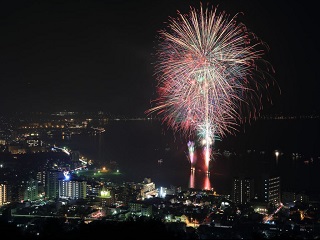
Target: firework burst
column 210, row 74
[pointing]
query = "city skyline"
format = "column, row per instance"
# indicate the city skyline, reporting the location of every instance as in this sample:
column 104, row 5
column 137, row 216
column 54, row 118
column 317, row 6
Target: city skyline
column 83, row 56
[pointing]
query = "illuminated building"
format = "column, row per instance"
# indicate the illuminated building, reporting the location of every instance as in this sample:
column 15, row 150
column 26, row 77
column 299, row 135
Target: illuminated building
column 16, row 149
column 260, row 207
column 147, row 189
column 242, row 190
column 52, row 186
column 72, row 189
column 33, row 141
column 140, row 208
column 31, row 190
column 106, row 197
column 271, row 190
column 3, row 193
column 93, row 189
column 41, row 177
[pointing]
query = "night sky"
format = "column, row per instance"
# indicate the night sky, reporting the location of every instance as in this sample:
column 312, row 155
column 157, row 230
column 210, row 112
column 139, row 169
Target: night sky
column 98, row 55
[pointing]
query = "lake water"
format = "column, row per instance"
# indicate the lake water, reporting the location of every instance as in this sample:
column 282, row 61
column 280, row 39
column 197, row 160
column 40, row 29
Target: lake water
column 148, row 149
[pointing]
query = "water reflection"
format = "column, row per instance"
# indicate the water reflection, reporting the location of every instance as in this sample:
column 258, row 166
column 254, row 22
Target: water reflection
column 191, row 178
column 199, row 180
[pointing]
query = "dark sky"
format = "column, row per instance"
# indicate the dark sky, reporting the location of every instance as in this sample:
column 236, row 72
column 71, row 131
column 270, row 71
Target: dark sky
column 98, row 55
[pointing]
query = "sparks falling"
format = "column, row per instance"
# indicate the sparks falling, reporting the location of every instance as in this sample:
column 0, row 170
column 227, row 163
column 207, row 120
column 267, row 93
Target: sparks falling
column 209, row 75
